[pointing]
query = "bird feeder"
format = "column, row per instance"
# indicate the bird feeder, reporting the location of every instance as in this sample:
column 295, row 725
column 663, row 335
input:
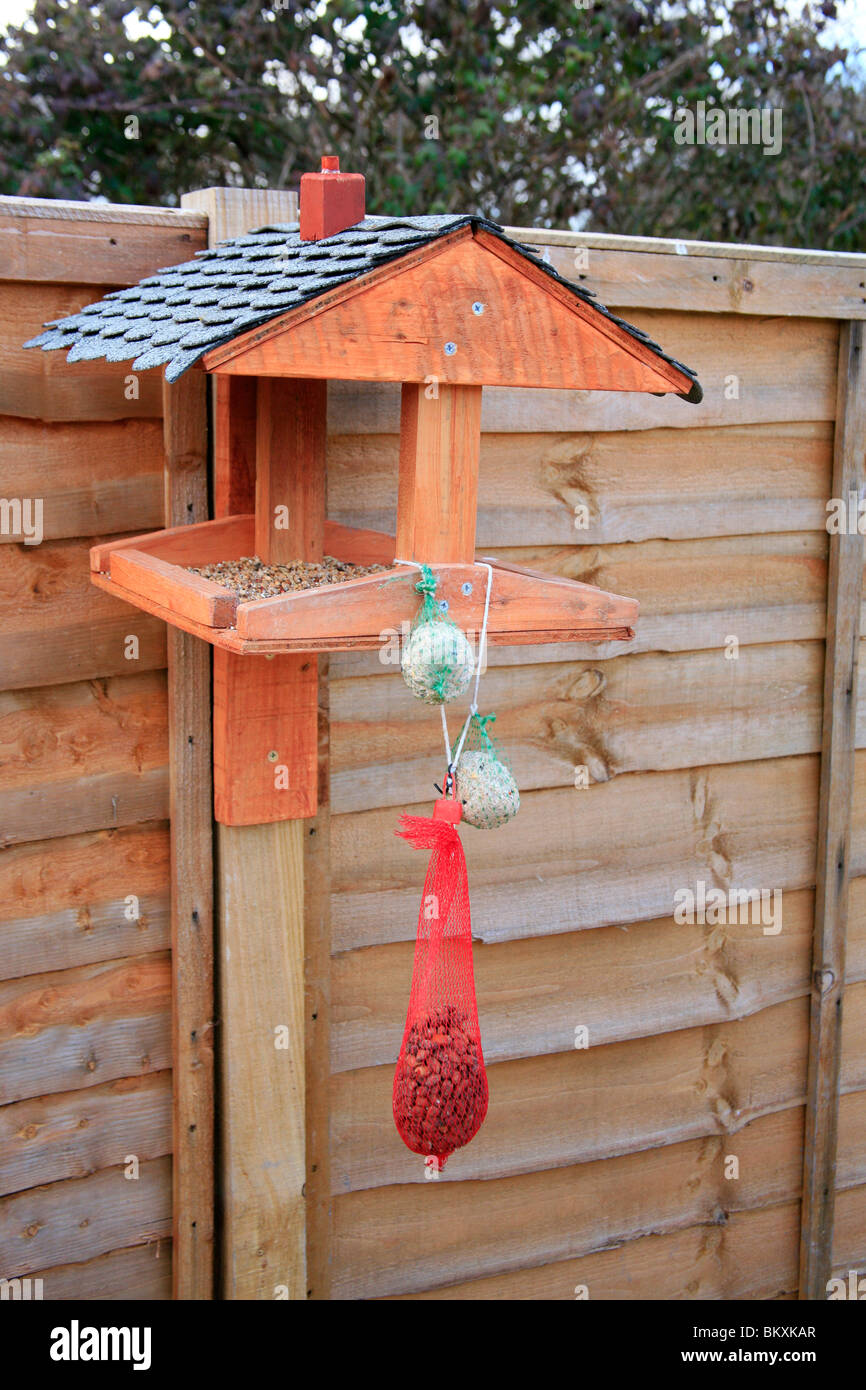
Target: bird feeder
column 443, row 305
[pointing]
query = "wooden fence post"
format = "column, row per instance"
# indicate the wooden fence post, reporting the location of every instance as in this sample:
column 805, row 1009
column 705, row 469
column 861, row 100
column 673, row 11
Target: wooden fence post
column 844, row 586
column 189, row 724
column 317, row 951
column 260, row 888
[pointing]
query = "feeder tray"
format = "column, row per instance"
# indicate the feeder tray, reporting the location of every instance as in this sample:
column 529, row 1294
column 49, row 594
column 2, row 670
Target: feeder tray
column 526, row 606
column 443, row 306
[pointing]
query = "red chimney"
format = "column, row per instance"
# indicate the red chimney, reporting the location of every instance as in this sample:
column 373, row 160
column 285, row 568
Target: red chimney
column 330, row 201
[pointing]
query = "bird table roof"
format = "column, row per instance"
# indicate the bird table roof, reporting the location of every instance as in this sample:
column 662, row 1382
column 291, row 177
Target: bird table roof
column 176, row 316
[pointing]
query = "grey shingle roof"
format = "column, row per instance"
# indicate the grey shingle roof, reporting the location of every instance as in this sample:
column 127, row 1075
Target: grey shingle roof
column 174, row 317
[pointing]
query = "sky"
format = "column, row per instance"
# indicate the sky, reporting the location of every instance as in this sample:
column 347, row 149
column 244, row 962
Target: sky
column 849, row 28
column 13, row 11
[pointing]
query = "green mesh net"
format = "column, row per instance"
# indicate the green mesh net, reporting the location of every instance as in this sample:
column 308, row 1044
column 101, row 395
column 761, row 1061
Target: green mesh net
column 486, row 788
column 437, row 659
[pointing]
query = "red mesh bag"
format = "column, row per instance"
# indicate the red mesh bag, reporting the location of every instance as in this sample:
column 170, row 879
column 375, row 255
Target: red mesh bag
column 440, row 1085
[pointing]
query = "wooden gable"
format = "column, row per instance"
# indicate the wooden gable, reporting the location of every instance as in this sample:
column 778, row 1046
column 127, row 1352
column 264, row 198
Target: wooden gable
column 468, row 310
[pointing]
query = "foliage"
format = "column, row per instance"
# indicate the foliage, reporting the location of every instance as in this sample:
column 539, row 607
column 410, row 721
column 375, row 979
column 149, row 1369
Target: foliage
column 532, row 111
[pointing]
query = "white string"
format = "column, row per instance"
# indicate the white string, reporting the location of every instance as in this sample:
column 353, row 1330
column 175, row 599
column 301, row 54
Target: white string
column 483, row 644
column 445, row 736
column 473, row 708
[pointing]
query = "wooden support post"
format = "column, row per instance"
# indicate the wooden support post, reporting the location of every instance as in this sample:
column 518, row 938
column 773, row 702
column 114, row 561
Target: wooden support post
column 264, row 745
column 291, row 438
column 845, row 577
column 185, row 431
column 260, row 886
column 437, row 497
column 317, row 941
column 265, row 709
column 261, row 877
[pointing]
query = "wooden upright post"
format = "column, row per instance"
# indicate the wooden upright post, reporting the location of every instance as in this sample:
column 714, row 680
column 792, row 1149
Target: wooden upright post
column 844, row 584
column 260, row 885
column 437, row 497
column 265, row 709
column 192, row 926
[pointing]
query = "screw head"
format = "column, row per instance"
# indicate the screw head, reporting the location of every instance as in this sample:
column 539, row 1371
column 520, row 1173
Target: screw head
column 450, row 349
column 478, row 307
column 466, row 588
column 443, row 604
column 273, row 755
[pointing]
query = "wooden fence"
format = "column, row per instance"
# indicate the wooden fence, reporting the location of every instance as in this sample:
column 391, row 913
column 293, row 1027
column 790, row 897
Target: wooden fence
column 667, row 1160
column 85, row 878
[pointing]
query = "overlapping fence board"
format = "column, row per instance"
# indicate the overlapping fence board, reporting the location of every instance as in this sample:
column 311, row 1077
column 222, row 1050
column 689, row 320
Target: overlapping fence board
column 43, row 385
column 57, row 241
column 605, row 1167
column 709, row 278
column 642, row 713
column 402, row 1238
column 629, row 485
column 75, row 1133
column 585, row 857
column 700, row 593
column 744, row 367
column 532, row 993
column 72, row 1028
column 703, row 768
column 849, row 1228
column 140, row 1273
column 83, row 898
column 93, row 479
column 83, row 756
column 57, row 627
column 72, row 1221
column 753, row 1255
column 579, row 1105
column 85, row 1002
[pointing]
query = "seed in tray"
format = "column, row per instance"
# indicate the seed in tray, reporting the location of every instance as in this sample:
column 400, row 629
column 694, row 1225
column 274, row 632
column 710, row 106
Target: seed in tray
column 250, row 578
